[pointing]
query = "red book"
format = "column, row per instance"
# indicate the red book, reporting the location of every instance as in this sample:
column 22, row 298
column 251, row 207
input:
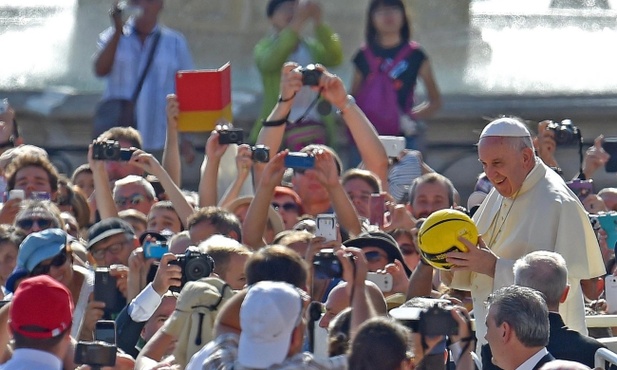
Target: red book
column 204, row 97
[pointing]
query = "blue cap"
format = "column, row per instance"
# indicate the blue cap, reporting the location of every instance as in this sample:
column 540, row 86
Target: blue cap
column 18, row 274
column 39, row 246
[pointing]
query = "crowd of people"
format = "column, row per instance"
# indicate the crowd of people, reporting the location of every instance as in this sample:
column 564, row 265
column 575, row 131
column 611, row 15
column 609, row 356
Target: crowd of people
column 196, row 280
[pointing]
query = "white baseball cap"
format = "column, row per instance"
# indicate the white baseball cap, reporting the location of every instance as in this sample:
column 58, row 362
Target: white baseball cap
column 269, row 314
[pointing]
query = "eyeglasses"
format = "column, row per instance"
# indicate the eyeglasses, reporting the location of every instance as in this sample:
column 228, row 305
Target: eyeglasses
column 57, row 261
column 287, row 207
column 113, row 249
column 133, row 200
column 28, row 223
column 374, row 256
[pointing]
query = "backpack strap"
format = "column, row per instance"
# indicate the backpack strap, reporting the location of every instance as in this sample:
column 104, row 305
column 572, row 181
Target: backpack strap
column 405, row 51
column 374, row 63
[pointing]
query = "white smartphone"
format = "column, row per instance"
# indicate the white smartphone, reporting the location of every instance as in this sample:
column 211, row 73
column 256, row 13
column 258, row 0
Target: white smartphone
column 383, row 281
column 610, row 291
column 326, row 226
column 393, row 145
column 17, row 194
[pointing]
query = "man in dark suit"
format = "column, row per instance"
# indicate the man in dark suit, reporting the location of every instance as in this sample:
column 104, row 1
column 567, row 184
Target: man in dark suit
column 518, row 328
column 547, row 273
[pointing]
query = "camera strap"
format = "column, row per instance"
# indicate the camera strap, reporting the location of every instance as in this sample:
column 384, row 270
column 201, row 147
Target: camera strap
column 308, row 110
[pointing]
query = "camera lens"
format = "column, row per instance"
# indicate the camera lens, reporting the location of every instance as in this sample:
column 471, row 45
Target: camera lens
column 232, row 136
column 196, row 268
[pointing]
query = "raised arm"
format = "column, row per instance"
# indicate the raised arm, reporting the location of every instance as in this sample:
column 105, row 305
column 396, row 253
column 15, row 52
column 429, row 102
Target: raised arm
column 151, row 165
column 104, row 58
column 243, row 166
column 102, row 189
column 255, row 223
column 210, row 171
column 171, row 151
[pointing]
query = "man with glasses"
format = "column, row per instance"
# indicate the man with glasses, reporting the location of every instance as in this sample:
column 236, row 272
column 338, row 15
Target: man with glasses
column 111, row 241
column 134, row 192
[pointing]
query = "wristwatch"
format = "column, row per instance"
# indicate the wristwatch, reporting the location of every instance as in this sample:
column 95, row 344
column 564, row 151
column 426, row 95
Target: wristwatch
column 351, row 101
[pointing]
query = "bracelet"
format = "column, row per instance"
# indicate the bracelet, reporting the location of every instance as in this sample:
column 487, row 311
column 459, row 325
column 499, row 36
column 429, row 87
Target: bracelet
column 275, row 123
column 281, row 100
column 350, row 101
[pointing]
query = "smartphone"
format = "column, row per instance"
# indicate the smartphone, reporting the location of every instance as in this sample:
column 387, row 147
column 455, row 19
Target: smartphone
column 299, row 160
column 377, row 209
column 105, row 290
column 17, row 194
column 383, row 281
column 610, row 146
column 608, row 222
column 326, row 226
column 582, row 188
column 393, row 145
column 610, row 292
column 105, row 331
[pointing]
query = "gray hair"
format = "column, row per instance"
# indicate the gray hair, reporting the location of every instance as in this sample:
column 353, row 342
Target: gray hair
column 134, row 179
column 543, row 271
column 525, row 310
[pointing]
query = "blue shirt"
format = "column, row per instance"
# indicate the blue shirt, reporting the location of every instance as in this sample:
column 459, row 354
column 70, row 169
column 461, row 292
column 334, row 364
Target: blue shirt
column 28, row 359
column 172, row 55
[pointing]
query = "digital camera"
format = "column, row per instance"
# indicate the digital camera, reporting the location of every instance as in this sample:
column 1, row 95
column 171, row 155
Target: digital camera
column 260, row 153
column 327, row 265
column 95, row 353
column 155, row 249
column 110, row 150
column 565, row 132
column 310, row 75
column 431, row 317
column 299, row 160
column 195, row 265
column 231, row 136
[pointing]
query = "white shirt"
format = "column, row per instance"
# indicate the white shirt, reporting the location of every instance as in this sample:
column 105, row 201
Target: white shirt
column 143, row 306
column 29, row 359
column 533, row 360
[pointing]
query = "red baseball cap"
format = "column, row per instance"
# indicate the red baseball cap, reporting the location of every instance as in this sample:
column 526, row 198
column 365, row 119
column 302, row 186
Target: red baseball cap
column 41, row 308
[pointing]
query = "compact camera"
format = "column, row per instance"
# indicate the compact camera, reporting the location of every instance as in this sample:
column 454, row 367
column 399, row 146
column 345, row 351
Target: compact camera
column 327, row 265
column 310, row 75
column 565, row 132
column 155, row 249
column 260, row 153
column 95, row 353
column 433, row 320
column 195, row 265
column 110, row 151
column 299, row 160
column 231, row 136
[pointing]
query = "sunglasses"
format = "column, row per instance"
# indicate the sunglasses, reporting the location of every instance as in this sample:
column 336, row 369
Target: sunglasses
column 28, row 223
column 374, row 256
column 133, row 200
column 57, row 261
column 287, row 207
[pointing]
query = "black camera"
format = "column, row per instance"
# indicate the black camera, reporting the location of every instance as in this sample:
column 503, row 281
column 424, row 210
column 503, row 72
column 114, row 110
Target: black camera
column 95, row 354
column 427, row 316
column 565, row 132
column 310, row 75
column 231, row 136
column 195, row 265
column 110, row 151
column 260, row 153
column 327, row 265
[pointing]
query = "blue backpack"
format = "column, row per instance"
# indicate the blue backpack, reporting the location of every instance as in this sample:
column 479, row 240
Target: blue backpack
column 377, row 96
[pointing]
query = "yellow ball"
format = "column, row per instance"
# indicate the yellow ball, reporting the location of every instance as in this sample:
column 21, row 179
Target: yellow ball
column 439, row 234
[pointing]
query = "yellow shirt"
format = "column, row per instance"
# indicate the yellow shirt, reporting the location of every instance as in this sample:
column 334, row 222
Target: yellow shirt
column 544, row 215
